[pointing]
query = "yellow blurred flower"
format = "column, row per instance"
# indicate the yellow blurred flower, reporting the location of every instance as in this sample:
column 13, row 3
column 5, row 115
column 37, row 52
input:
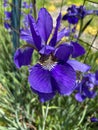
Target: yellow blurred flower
column 91, row 30
column 97, row 61
column 52, row 8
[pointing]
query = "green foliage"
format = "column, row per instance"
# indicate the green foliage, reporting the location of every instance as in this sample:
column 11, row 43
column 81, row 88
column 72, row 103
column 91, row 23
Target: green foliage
column 20, row 108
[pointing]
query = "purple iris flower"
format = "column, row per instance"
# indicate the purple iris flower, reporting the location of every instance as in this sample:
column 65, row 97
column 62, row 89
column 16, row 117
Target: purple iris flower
column 54, row 72
column 74, row 14
column 94, row 119
column 86, row 88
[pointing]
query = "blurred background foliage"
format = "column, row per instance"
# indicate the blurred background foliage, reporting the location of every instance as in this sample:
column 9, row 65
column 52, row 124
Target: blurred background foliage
column 20, row 109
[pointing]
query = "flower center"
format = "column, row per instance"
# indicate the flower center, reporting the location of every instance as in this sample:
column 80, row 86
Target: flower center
column 47, row 63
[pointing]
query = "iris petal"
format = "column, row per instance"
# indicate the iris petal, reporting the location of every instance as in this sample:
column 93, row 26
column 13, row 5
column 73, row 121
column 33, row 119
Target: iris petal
column 78, row 50
column 26, row 36
column 54, row 38
column 79, row 97
column 78, row 66
column 43, row 97
column 46, row 50
column 23, row 56
column 44, row 24
column 65, row 78
column 40, row 79
column 34, row 32
column 63, row 52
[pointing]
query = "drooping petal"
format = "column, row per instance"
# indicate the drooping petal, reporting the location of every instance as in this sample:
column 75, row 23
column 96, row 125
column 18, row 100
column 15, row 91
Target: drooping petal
column 46, row 50
column 63, row 52
column 78, row 50
column 54, row 37
column 65, row 78
column 40, row 79
column 80, row 97
column 78, row 66
column 43, row 97
column 34, row 32
column 23, row 57
column 44, row 24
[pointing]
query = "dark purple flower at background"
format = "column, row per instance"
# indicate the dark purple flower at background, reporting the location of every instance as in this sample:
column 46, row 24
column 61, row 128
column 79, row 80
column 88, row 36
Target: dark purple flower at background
column 75, row 13
column 86, row 88
column 54, row 72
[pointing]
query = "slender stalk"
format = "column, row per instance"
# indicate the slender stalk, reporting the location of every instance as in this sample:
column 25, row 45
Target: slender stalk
column 43, row 3
column 90, row 47
column 45, row 116
column 34, row 8
column 61, row 5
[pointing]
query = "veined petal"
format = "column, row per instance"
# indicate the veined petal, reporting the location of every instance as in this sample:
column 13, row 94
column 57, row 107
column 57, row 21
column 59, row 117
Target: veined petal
column 54, row 37
column 78, row 66
column 63, row 52
column 44, row 24
column 40, row 79
column 34, row 32
column 65, row 78
column 78, row 50
column 23, row 56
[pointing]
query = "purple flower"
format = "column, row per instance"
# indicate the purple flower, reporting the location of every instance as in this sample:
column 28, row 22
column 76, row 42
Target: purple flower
column 94, row 119
column 54, row 72
column 74, row 14
column 86, row 88
column 26, row 5
column 7, row 19
column 5, row 4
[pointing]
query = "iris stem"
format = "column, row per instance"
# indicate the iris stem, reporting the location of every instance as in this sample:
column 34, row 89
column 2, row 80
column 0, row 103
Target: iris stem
column 84, row 113
column 61, row 5
column 45, row 114
column 34, row 9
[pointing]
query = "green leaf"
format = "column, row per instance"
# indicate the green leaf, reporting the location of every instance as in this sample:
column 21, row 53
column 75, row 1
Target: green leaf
column 86, row 25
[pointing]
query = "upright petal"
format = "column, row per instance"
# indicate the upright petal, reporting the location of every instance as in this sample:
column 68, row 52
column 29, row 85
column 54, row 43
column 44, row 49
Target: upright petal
column 78, row 50
column 78, row 66
column 44, row 24
column 54, row 37
column 63, row 52
column 65, row 78
column 40, row 79
column 34, row 32
column 23, row 56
